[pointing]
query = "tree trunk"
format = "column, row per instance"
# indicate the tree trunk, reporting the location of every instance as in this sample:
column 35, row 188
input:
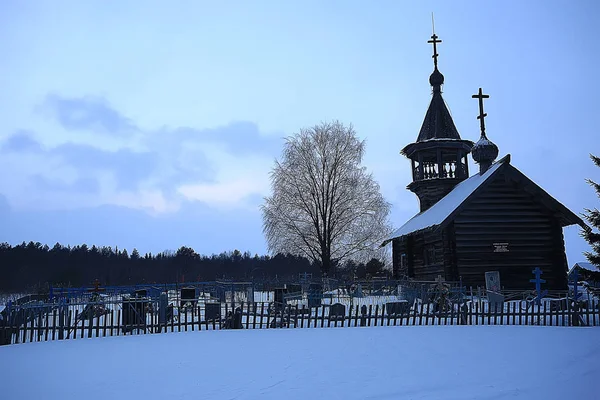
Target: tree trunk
column 325, row 262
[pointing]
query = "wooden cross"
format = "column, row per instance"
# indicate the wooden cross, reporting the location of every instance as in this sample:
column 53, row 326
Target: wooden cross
column 435, row 41
column 481, row 115
column 538, row 285
column 575, row 281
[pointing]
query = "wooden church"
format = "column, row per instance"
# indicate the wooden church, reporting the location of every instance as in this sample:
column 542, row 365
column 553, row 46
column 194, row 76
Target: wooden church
column 495, row 220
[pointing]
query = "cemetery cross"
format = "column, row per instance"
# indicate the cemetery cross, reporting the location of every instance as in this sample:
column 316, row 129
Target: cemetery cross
column 576, row 294
column 538, row 285
column 575, row 280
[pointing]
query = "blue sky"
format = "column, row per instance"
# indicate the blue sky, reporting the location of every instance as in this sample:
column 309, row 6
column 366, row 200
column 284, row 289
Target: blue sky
column 154, row 124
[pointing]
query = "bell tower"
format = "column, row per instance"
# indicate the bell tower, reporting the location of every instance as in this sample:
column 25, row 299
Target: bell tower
column 439, row 156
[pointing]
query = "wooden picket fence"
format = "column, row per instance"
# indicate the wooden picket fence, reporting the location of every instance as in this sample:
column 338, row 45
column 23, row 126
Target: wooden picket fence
column 78, row 325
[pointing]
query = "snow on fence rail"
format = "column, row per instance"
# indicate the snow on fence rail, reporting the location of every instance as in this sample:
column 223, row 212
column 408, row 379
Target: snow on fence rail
column 102, row 319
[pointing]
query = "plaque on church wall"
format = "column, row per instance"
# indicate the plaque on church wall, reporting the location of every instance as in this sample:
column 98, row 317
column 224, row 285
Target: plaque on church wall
column 500, row 247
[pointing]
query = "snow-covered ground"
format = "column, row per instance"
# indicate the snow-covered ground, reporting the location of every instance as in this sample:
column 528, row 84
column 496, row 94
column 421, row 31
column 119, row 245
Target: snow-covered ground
column 430, row 362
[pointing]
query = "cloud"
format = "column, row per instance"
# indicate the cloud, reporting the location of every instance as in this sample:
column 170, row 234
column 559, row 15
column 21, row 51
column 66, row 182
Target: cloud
column 21, row 141
column 238, row 177
column 239, row 137
column 87, row 114
column 129, row 167
column 80, row 185
column 222, row 167
column 223, row 195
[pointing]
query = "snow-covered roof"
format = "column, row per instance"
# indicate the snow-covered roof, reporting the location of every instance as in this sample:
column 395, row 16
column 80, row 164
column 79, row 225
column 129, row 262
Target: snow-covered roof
column 440, row 211
column 585, row 265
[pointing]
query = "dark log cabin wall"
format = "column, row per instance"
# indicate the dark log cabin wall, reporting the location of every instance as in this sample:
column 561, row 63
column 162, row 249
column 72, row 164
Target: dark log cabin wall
column 450, row 264
column 398, row 258
column 420, row 256
column 504, row 213
column 429, row 193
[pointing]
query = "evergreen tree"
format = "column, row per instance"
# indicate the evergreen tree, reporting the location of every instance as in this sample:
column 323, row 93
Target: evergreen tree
column 135, row 254
column 30, row 266
column 375, row 267
column 593, row 217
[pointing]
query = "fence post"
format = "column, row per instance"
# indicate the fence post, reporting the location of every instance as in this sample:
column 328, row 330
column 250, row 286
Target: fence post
column 91, row 321
column 363, row 315
column 10, row 323
column 61, row 321
column 163, row 304
column 40, row 327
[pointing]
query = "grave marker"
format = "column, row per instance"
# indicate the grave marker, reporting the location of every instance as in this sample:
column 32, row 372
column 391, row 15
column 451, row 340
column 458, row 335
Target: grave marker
column 134, row 314
column 188, row 296
column 212, row 312
column 315, row 295
column 363, row 315
column 250, row 294
column 492, row 281
column 305, row 277
column 234, row 320
column 441, row 295
column 163, row 305
column 358, row 292
column 575, row 281
column 279, row 299
column 538, row 285
column 495, row 301
column 337, row 312
column 576, row 295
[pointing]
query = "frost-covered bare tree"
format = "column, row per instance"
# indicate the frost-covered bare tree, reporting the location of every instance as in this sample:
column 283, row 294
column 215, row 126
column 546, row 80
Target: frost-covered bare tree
column 324, row 204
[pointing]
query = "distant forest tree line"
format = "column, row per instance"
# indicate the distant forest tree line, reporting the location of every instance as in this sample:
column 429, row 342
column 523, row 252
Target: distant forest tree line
column 33, row 266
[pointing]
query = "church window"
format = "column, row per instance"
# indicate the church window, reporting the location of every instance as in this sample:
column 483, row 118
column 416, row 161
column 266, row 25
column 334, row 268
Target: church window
column 429, row 255
column 403, row 260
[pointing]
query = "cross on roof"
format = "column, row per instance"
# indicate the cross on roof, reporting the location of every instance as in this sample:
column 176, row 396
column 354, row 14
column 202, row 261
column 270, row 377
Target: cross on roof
column 481, row 115
column 435, row 41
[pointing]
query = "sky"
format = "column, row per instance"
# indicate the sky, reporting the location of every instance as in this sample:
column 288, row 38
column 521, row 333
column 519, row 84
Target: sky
column 154, row 124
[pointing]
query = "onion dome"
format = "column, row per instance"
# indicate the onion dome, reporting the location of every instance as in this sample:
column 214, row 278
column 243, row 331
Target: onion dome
column 484, row 152
column 436, row 80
